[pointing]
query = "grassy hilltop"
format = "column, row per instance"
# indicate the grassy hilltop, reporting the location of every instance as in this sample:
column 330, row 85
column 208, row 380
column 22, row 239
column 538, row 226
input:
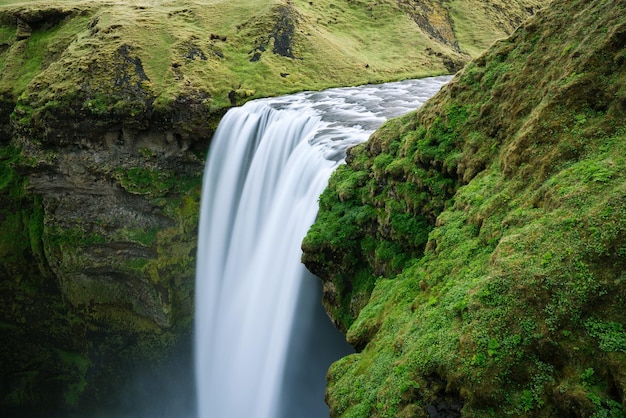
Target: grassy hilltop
column 252, row 48
column 475, row 251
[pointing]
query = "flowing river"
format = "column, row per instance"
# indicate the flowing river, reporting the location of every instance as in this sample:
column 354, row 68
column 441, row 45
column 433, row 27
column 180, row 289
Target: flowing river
column 263, row 341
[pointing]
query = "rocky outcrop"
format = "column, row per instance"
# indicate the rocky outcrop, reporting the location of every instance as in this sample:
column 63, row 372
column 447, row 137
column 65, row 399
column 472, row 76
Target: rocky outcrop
column 281, row 35
column 112, row 231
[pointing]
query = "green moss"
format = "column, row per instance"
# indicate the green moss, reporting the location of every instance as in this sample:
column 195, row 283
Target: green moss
column 145, row 237
column 80, row 364
column 71, row 238
column 390, row 212
column 21, row 215
column 140, row 180
column 611, row 336
column 10, row 181
column 520, row 284
column 155, row 183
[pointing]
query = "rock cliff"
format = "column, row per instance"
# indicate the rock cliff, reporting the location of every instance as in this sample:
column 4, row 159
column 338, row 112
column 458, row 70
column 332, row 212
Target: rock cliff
column 106, row 114
column 474, row 251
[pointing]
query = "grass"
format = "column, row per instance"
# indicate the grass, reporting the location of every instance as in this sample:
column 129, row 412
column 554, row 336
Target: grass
column 468, row 20
column 207, row 46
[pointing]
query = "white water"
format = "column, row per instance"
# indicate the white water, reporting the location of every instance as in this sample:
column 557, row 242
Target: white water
column 263, row 343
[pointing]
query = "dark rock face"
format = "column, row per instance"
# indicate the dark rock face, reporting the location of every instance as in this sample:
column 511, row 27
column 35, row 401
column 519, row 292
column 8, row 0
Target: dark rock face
column 102, row 217
column 283, row 32
column 98, row 292
column 114, row 266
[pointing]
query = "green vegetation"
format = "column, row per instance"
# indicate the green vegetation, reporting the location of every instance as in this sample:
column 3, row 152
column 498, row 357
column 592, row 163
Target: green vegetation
column 122, row 58
column 513, row 305
column 106, row 113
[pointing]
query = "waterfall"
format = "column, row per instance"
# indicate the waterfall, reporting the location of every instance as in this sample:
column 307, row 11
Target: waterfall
column 263, row 342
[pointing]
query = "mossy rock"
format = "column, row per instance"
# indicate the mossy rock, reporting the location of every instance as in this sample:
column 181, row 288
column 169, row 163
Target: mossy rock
column 513, row 304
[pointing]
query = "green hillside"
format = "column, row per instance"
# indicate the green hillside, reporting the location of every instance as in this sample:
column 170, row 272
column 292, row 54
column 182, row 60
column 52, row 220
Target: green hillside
column 126, row 58
column 475, row 251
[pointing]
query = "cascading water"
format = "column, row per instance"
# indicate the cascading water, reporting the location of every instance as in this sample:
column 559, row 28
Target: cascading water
column 263, row 342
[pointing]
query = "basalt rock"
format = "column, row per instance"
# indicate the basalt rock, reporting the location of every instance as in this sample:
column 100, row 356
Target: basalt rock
column 102, row 196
